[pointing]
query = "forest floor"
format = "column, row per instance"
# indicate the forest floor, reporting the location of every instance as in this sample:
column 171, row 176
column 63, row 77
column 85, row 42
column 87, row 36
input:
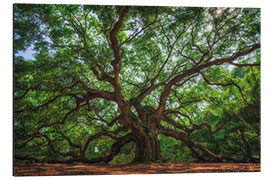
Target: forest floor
column 46, row 169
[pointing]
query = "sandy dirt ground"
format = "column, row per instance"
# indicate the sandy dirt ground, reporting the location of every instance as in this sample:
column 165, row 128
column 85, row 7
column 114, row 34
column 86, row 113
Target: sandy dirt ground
column 46, row 169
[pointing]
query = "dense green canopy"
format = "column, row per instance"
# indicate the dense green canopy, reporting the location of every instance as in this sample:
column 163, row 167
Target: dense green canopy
column 116, row 84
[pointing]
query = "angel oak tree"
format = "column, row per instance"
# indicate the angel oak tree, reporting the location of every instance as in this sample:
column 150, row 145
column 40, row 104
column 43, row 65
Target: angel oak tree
column 109, row 79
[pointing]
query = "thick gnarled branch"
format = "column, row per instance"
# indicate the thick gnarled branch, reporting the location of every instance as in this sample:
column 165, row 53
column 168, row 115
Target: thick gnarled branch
column 193, row 146
column 113, row 37
column 197, row 69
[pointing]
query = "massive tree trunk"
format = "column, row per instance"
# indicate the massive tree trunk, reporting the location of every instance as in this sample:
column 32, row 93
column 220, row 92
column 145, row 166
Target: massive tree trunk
column 145, row 132
column 147, row 148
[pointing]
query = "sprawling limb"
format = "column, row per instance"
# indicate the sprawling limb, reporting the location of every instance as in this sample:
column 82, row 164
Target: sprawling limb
column 115, row 149
column 114, row 40
column 197, row 69
column 135, row 34
column 226, row 84
column 194, row 147
column 52, row 148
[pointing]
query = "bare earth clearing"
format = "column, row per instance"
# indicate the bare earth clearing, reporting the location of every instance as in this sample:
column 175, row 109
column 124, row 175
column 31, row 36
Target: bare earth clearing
column 45, row 169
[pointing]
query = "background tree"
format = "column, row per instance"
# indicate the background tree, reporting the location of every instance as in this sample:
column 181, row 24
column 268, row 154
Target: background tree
column 119, row 84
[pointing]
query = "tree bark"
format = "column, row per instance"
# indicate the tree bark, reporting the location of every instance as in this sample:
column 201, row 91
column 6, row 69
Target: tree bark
column 147, row 148
column 147, row 143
